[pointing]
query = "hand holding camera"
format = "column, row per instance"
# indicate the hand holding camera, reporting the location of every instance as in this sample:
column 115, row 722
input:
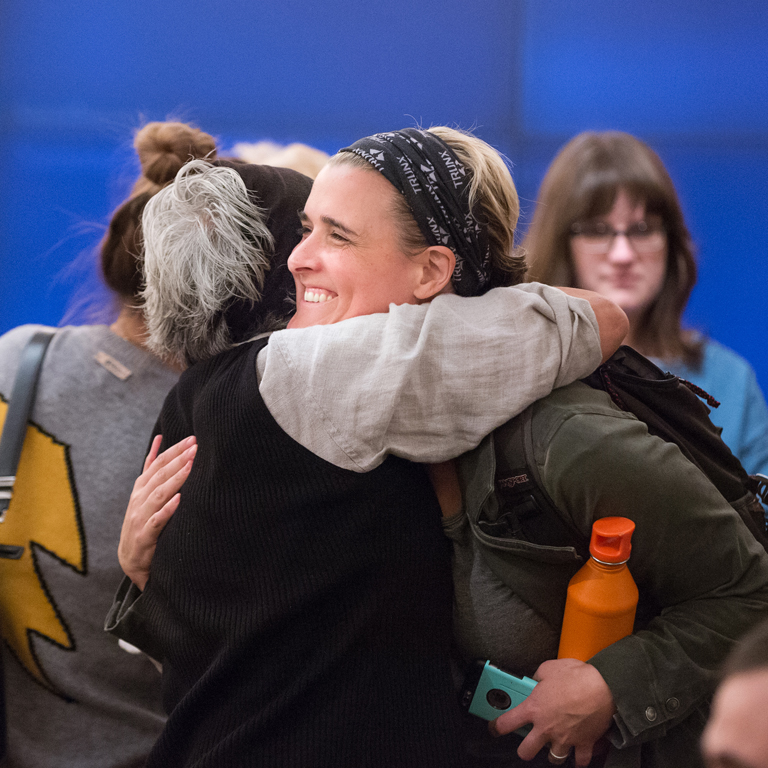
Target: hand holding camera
column 567, row 705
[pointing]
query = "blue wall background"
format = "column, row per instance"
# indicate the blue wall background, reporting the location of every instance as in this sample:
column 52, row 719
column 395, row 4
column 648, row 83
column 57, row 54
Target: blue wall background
column 690, row 78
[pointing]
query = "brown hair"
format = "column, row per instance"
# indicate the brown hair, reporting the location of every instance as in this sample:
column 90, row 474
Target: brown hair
column 583, row 182
column 492, row 195
column 121, row 248
column 163, row 148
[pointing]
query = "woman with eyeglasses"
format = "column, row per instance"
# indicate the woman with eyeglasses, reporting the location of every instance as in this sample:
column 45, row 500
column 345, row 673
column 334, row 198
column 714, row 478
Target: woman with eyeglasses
column 608, row 219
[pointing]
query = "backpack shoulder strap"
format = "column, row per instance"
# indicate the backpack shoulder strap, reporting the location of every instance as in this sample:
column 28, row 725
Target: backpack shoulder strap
column 526, row 511
column 19, row 408
column 672, row 410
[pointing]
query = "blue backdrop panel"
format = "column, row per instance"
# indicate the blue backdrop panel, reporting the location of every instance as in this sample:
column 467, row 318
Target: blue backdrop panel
column 727, row 214
column 55, row 205
column 292, row 67
column 655, row 67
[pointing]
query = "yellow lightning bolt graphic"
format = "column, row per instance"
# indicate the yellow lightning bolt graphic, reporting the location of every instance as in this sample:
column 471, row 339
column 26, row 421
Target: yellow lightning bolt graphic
column 43, row 511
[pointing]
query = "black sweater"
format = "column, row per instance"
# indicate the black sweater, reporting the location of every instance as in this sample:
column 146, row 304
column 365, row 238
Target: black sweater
column 303, row 609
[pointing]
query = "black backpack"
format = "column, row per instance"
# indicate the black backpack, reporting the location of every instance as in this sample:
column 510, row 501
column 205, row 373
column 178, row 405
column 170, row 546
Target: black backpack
column 671, row 409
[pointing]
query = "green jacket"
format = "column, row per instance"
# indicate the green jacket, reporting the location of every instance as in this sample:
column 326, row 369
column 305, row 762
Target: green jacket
column 703, row 580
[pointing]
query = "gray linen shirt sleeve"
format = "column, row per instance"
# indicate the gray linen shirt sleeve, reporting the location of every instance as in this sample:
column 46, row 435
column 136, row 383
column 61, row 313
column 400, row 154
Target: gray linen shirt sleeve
column 425, row 382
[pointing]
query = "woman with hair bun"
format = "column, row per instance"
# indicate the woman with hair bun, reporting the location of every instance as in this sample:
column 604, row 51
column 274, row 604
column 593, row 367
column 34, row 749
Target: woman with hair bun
column 73, row 696
column 608, row 219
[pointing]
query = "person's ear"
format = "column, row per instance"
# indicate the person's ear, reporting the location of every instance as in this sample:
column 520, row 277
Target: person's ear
column 437, row 265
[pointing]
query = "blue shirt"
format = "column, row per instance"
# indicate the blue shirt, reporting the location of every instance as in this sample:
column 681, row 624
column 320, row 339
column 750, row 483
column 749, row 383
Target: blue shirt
column 743, row 413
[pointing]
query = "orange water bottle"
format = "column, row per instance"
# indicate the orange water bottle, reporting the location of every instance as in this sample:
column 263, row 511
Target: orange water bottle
column 602, row 596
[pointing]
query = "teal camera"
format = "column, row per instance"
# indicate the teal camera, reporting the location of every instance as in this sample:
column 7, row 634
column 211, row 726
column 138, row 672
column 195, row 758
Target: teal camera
column 489, row 692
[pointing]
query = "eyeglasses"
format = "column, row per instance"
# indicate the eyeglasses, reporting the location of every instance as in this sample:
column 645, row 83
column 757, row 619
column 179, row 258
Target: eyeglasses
column 598, row 237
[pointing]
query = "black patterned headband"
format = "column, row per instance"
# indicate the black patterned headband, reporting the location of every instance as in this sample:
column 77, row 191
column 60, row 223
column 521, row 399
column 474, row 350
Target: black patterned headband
column 435, row 185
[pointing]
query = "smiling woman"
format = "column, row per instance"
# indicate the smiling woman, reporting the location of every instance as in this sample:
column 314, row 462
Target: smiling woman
column 408, row 242
column 299, row 600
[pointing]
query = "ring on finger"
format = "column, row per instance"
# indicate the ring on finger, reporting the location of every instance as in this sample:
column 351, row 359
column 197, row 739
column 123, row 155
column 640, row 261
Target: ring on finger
column 556, row 759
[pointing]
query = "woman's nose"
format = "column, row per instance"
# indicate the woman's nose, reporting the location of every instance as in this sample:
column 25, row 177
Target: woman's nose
column 621, row 250
column 303, row 256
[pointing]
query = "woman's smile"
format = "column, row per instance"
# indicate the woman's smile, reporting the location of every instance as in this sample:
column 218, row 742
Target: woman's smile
column 318, row 295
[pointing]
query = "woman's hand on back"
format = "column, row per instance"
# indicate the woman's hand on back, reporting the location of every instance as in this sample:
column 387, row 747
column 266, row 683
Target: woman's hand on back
column 153, row 501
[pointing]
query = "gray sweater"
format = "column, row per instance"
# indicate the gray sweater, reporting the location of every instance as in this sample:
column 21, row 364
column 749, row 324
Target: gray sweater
column 74, row 697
